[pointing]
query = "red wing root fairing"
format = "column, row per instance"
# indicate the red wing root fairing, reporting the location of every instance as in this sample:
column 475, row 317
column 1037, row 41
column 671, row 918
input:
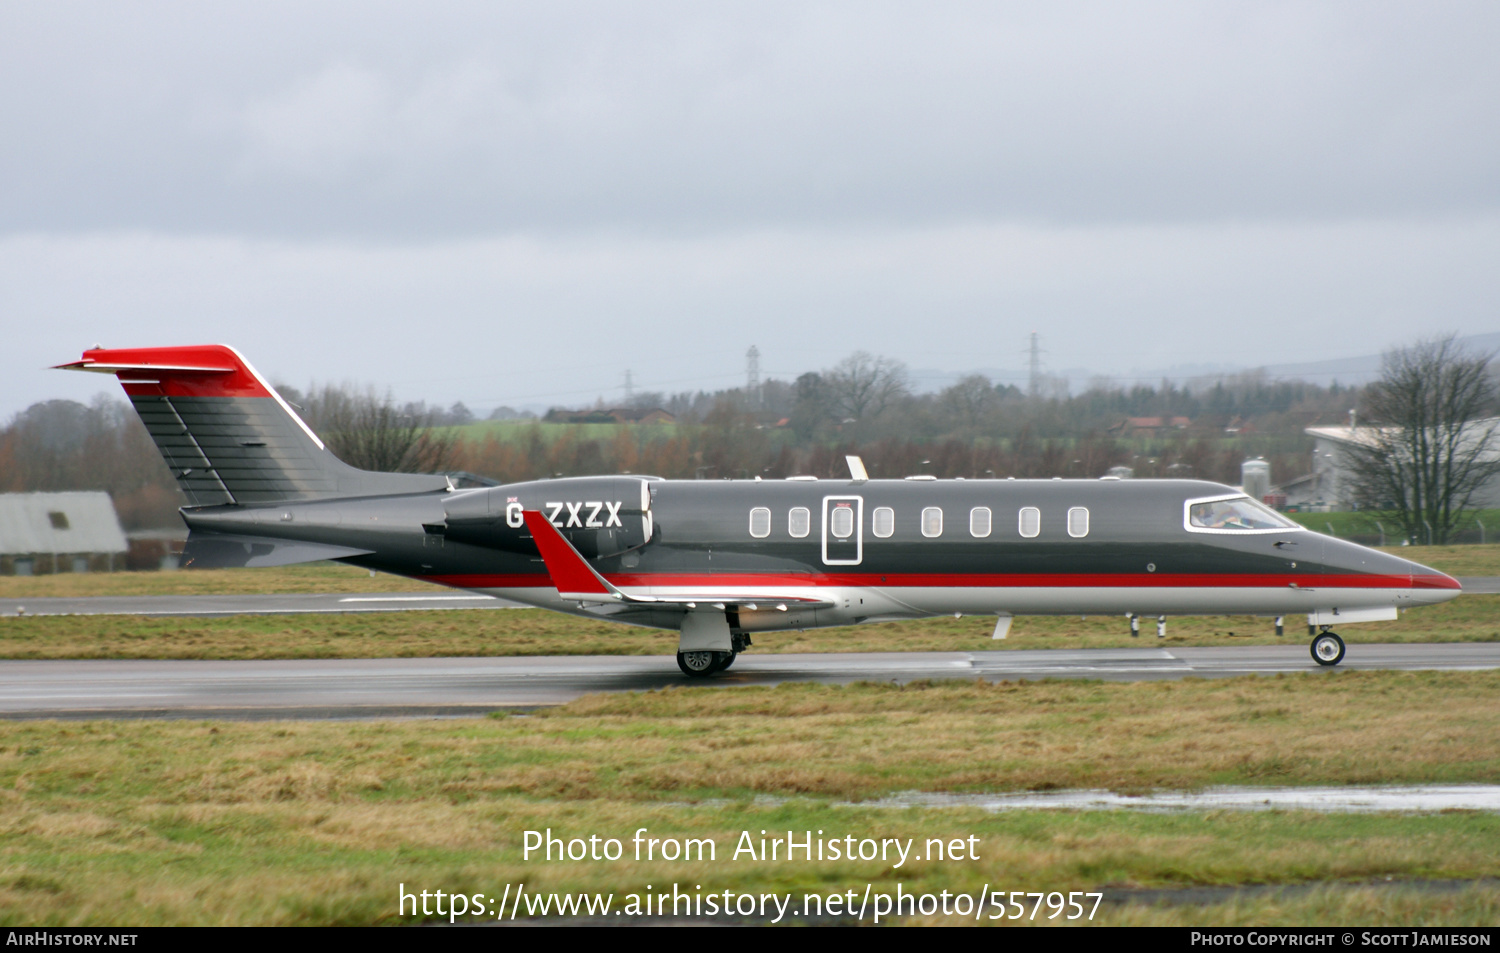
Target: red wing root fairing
column 717, row 561
column 574, row 579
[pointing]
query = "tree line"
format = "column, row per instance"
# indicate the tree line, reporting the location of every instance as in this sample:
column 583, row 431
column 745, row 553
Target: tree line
column 1432, row 443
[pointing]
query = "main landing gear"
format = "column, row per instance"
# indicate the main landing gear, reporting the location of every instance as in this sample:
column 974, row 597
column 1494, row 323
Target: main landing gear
column 701, row 664
column 1327, row 648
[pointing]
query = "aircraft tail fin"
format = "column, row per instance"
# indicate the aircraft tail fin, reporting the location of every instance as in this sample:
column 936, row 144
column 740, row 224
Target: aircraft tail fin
column 225, row 433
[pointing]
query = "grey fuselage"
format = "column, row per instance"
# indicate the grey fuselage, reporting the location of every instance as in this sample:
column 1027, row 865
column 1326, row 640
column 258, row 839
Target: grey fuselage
column 1135, row 554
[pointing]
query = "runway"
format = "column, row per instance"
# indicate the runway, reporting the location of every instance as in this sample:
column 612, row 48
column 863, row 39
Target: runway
column 281, row 604
column 333, row 602
column 1479, row 584
column 370, row 688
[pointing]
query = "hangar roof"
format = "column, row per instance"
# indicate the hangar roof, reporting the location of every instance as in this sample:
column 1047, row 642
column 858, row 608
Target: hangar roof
column 78, row 522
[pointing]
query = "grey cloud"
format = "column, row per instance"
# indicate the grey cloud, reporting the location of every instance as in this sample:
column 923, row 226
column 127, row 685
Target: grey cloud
column 405, row 121
column 522, row 320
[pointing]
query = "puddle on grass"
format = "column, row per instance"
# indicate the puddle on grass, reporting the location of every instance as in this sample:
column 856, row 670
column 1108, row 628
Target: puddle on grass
column 1458, row 797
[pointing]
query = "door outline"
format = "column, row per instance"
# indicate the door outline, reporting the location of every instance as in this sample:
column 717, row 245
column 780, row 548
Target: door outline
column 859, row 529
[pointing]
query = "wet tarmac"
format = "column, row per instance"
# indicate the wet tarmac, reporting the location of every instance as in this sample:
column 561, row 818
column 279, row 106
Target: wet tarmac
column 382, row 688
column 285, row 604
column 335, row 602
column 1351, row 800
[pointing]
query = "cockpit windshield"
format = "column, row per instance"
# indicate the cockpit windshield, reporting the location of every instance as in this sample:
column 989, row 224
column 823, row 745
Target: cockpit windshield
column 1238, row 514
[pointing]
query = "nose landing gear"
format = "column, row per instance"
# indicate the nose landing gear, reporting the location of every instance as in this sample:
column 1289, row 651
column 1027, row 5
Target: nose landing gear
column 1327, row 648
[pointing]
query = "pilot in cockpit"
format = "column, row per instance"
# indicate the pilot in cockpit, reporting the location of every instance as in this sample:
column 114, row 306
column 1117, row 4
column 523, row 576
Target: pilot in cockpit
column 1225, row 516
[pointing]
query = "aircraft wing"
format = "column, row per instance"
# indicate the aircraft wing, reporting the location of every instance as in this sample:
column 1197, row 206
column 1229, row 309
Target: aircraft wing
column 575, row 579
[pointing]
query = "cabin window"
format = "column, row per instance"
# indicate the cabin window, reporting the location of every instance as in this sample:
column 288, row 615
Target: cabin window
column 799, row 522
column 760, row 522
column 932, row 522
column 58, row 519
column 883, row 522
column 979, row 521
column 1031, row 522
column 1078, row 522
column 841, row 521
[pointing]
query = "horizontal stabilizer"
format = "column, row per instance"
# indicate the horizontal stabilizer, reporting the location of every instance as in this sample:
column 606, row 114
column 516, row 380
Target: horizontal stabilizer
column 222, row 551
column 227, row 435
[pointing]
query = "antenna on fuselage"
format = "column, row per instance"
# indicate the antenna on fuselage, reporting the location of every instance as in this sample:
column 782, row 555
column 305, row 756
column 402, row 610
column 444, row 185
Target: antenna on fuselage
column 856, row 469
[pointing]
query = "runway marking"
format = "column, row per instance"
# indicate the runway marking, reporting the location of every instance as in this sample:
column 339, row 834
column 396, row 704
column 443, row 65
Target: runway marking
column 411, row 598
column 369, row 686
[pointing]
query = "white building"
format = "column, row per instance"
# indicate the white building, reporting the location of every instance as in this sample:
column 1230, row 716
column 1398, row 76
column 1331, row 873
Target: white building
column 59, row 532
column 1330, row 481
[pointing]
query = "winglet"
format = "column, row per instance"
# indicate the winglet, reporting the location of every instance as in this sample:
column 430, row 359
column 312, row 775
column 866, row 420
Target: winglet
column 573, row 577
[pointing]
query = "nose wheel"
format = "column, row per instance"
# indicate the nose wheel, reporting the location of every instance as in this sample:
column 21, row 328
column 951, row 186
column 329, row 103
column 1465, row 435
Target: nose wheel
column 1327, row 649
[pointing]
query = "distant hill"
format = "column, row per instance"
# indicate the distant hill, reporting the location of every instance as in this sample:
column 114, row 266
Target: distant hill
column 1345, row 370
column 1360, row 370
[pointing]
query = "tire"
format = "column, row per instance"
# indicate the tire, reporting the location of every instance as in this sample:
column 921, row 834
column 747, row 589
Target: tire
column 698, row 664
column 726, row 660
column 1328, row 649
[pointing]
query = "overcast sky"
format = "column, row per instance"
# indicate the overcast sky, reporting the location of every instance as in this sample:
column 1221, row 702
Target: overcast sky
column 514, row 203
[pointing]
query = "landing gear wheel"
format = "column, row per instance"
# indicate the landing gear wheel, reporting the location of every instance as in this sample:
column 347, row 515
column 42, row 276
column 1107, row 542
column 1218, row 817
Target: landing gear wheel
column 726, row 660
column 699, row 664
column 1328, row 649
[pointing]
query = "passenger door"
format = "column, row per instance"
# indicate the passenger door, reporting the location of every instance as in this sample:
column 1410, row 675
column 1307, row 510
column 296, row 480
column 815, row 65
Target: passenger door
column 843, row 530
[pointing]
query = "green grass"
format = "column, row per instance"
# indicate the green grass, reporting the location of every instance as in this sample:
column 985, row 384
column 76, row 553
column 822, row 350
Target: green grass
column 520, row 431
column 1365, row 527
column 309, row 578
column 132, row 823
column 509, row 632
column 1470, row 560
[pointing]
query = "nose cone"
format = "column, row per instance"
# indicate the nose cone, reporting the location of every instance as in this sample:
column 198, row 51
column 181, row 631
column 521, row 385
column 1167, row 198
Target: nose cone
column 1427, row 579
column 1426, row 585
column 1429, row 586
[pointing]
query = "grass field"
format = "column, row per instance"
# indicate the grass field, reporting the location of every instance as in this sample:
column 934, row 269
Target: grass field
column 162, row 822
column 317, row 823
column 1366, row 527
column 315, row 577
column 472, row 633
column 521, row 431
column 534, row 632
column 1454, row 560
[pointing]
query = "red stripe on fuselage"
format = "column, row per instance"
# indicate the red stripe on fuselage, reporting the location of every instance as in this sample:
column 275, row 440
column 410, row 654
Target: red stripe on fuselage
column 1438, row 581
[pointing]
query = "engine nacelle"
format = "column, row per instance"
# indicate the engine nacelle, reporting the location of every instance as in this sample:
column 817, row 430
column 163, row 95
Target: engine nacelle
column 600, row 516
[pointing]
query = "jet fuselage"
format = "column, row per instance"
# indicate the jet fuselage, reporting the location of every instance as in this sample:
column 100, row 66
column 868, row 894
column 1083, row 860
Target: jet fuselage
column 1130, row 550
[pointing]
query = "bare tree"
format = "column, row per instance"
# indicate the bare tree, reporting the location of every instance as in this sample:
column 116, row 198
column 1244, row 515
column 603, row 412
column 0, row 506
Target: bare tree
column 1429, row 448
column 970, row 399
column 372, row 433
column 862, row 385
